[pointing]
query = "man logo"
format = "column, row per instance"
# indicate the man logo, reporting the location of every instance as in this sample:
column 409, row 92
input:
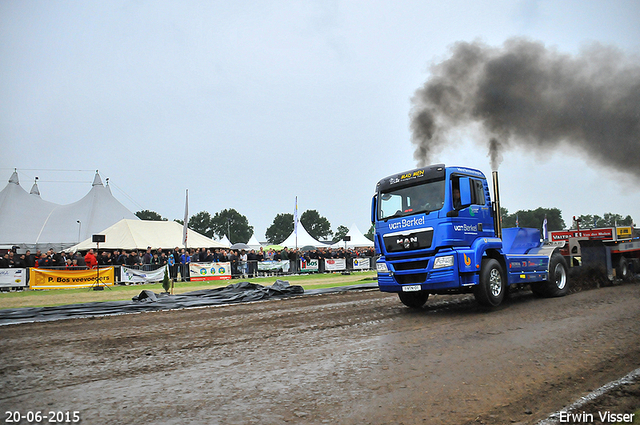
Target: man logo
column 406, row 242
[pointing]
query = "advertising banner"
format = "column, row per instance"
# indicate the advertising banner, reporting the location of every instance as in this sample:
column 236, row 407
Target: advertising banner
column 209, row 271
column 128, row 275
column 335, row 264
column 13, row 277
column 604, row 233
column 361, row 263
column 59, row 279
column 311, row 265
column 274, row 265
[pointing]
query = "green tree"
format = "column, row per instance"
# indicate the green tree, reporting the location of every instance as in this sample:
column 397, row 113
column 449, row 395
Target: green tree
column 534, row 218
column 608, row 220
column 201, row 223
column 371, row 232
column 280, row 229
column 340, row 233
column 316, row 225
column 149, row 215
column 233, row 224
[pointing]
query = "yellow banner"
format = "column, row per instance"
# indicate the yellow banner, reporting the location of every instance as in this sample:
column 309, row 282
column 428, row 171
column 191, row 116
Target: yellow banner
column 58, row 279
column 624, row 232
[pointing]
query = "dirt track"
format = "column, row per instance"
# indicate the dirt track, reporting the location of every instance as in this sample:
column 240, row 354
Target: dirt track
column 346, row 358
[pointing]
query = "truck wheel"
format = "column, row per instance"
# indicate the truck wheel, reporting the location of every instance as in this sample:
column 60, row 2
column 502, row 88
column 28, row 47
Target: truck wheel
column 622, row 269
column 558, row 283
column 491, row 289
column 413, row 299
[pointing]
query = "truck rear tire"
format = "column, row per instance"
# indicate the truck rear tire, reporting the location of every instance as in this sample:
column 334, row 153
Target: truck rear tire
column 558, row 283
column 491, row 289
column 414, row 299
column 622, row 269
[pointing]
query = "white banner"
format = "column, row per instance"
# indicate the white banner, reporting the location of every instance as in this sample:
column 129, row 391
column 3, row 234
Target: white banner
column 334, row 264
column 128, row 275
column 310, row 265
column 13, row 277
column 274, row 265
column 361, row 263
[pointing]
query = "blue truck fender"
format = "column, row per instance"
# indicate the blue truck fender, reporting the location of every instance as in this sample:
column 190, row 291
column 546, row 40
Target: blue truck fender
column 470, row 259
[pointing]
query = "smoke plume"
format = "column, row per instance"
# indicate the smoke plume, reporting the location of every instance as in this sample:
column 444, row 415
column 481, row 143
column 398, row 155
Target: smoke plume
column 525, row 94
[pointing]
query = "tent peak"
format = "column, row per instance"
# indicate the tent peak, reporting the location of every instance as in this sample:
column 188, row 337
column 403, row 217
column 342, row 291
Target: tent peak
column 34, row 188
column 14, row 177
column 97, row 181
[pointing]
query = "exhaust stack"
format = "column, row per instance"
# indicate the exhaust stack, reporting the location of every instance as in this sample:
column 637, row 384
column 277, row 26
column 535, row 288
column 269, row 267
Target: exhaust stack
column 497, row 217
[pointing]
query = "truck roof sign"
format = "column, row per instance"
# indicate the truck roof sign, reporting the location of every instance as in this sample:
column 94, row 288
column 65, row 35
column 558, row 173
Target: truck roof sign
column 411, row 177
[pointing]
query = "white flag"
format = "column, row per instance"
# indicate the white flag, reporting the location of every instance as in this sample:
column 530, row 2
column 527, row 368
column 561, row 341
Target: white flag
column 545, row 235
column 186, row 220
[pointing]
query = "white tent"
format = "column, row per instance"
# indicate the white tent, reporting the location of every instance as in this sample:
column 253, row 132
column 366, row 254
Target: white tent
column 22, row 215
column 225, row 241
column 302, row 239
column 358, row 240
column 30, row 222
column 140, row 234
column 253, row 242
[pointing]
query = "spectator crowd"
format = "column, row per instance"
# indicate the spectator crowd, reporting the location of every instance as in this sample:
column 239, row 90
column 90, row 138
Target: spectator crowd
column 243, row 262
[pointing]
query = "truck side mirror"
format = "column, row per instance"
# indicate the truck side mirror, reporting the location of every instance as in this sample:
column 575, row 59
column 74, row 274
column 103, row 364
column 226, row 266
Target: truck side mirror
column 373, row 208
column 465, row 192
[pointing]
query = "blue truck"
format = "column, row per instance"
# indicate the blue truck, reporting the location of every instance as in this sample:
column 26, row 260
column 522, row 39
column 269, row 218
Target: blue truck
column 437, row 231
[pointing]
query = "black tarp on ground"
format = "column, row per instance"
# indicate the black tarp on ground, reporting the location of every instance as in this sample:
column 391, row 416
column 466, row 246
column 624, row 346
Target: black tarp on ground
column 148, row 301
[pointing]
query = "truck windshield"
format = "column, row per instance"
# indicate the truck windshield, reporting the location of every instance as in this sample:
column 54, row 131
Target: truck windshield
column 411, row 200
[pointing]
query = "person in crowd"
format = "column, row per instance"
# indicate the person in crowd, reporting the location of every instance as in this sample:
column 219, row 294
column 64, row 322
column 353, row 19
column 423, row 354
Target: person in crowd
column 185, row 259
column 171, row 263
column 44, row 262
column 90, row 259
column 252, row 259
column 80, row 260
column 29, row 260
column 243, row 262
column 155, row 261
column 4, row 261
column 293, row 260
column 146, row 259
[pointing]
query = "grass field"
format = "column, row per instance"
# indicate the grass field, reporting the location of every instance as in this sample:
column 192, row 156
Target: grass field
column 120, row 293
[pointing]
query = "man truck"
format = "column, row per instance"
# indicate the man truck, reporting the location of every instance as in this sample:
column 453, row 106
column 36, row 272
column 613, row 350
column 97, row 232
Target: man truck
column 437, row 231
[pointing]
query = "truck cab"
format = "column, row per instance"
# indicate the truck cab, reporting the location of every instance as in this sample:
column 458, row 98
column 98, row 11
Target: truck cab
column 437, row 231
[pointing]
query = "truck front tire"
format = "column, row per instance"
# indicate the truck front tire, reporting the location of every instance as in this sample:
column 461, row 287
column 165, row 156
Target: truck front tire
column 414, row 299
column 491, row 289
column 558, row 283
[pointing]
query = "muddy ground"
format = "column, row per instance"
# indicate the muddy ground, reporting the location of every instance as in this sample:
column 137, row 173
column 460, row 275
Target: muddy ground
column 347, row 358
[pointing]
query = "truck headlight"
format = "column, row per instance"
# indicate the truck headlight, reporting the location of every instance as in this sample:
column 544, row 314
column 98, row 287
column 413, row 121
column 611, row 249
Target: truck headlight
column 441, row 262
column 382, row 267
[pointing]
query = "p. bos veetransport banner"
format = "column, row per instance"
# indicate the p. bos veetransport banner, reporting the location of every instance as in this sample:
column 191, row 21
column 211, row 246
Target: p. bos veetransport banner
column 209, row 271
column 59, row 279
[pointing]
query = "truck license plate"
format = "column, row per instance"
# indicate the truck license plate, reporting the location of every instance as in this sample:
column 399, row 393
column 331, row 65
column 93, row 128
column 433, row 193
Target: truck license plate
column 411, row 288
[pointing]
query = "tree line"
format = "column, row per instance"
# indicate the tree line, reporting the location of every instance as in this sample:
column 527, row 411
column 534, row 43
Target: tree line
column 236, row 228
column 535, row 218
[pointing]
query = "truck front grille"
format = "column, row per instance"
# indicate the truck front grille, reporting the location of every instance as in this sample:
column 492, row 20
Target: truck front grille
column 404, row 279
column 411, row 265
column 400, row 241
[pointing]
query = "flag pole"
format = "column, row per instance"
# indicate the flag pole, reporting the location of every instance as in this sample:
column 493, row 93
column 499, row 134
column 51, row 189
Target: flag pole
column 295, row 221
column 186, row 221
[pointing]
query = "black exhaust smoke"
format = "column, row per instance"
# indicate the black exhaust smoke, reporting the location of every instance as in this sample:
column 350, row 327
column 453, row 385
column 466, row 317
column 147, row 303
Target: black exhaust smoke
column 525, row 94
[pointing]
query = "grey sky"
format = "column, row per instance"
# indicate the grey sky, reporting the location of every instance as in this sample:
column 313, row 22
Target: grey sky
column 250, row 104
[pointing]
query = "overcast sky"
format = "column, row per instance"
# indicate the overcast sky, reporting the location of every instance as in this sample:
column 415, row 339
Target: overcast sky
column 249, row 104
